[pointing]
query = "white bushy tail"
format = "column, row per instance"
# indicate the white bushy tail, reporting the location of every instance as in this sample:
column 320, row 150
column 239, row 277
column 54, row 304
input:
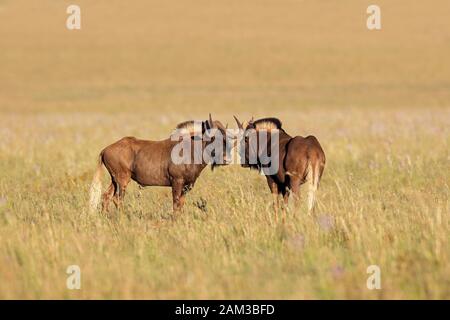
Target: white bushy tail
column 95, row 191
column 313, row 183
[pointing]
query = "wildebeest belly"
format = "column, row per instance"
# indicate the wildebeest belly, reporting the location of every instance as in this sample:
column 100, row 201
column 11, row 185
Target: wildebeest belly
column 150, row 168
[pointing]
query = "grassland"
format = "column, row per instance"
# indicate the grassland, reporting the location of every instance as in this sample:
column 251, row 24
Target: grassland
column 378, row 101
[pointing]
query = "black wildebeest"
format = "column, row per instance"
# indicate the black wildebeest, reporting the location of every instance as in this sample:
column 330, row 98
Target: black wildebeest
column 299, row 160
column 151, row 163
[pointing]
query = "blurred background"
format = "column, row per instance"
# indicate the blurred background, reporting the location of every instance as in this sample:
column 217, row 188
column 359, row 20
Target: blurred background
column 258, row 56
column 378, row 102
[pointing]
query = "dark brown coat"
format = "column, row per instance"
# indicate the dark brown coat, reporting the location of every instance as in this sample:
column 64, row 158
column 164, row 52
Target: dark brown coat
column 300, row 160
column 149, row 163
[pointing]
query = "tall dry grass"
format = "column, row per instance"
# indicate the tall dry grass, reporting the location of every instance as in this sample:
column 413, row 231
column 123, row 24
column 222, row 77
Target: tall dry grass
column 377, row 101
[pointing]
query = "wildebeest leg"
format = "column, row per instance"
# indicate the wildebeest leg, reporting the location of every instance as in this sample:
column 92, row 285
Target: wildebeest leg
column 284, row 192
column 295, row 183
column 122, row 181
column 107, row 195
column 177, row 195
column 186, row 189
column 275, row 194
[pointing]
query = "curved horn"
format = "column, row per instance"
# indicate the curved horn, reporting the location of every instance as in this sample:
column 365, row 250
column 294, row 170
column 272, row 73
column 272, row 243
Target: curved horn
column 211, row 123
column 238, row 123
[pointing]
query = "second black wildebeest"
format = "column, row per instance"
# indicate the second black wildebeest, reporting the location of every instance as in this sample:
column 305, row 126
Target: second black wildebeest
column 299, row 159
column 150, row 163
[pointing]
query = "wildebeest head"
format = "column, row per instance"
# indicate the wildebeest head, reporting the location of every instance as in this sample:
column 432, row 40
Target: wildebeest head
column 217, row 134
column 216, row 144
column 251, row 145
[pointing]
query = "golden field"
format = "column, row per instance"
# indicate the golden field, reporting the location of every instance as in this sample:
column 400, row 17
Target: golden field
column 378, row 101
